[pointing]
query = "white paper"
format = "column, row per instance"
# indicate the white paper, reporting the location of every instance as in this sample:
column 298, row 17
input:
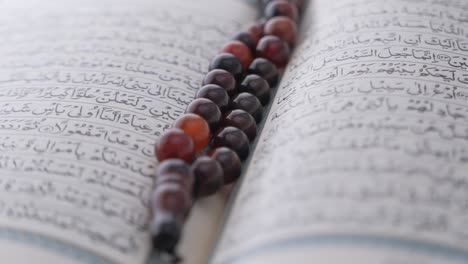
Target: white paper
column 86, row 88
column 364, row 156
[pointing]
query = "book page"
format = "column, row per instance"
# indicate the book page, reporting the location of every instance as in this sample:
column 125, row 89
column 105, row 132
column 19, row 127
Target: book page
column 86, row 88
column 364, row 156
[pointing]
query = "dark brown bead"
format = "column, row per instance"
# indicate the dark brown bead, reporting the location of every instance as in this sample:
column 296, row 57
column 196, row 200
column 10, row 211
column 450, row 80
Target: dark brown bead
column 171, row 198
column 257, row 86
column 273, row 49
column 230, row 162
column 216, row 94
column 173, row 166
column 281, row 8
column 265, row 69
column 235, row 139
column 246, row 38
column 242, row 120
column 228, row 62
column 240, row 50
column 256, row 31
column 208, row 176
column 183, row 181
column 175, row 144
column 206, row 109
column 223, row 79
column 165, row 230
column 249, row 103
column 284, row 28
column 175, row 171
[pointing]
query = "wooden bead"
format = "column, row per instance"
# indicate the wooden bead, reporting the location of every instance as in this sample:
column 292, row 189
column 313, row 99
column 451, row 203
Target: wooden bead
column 229, row 63
column 196, row 127
column 208, row 176
column 265, row 69
column 249, row 103
column 223, row 79
column 273, row 49
column 230, row 162
column 240, row 50
column 216, row 94
column 257, row 86
column 206, row 109
column 235, row 139
column 281, row 8
column 175, row 144
column 243, row 121
column 284, row 28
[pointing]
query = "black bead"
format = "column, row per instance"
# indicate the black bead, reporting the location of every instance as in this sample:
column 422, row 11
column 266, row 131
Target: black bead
column 206, row 109
column 265, row 69
column 229, row 63
column 249, row 103
column 235, row 139
column 242, row 120
column 216, row 94
column 257, row 86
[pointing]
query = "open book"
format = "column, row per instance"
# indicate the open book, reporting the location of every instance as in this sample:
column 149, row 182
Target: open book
column 362, row 157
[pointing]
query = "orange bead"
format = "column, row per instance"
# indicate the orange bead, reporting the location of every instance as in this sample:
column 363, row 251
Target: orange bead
column 196, row 127
column 240, row 50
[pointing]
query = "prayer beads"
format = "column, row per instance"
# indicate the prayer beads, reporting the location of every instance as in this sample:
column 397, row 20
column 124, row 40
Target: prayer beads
column 225, row 112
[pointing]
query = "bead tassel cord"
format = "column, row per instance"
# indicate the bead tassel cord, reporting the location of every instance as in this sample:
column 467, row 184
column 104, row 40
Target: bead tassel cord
column 206, row 146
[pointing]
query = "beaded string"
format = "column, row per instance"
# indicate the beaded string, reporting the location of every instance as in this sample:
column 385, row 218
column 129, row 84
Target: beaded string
column 206, row 146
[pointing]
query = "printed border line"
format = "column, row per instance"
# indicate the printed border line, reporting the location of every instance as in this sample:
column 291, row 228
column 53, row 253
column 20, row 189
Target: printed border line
column 429, row 248
column 56, row 246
